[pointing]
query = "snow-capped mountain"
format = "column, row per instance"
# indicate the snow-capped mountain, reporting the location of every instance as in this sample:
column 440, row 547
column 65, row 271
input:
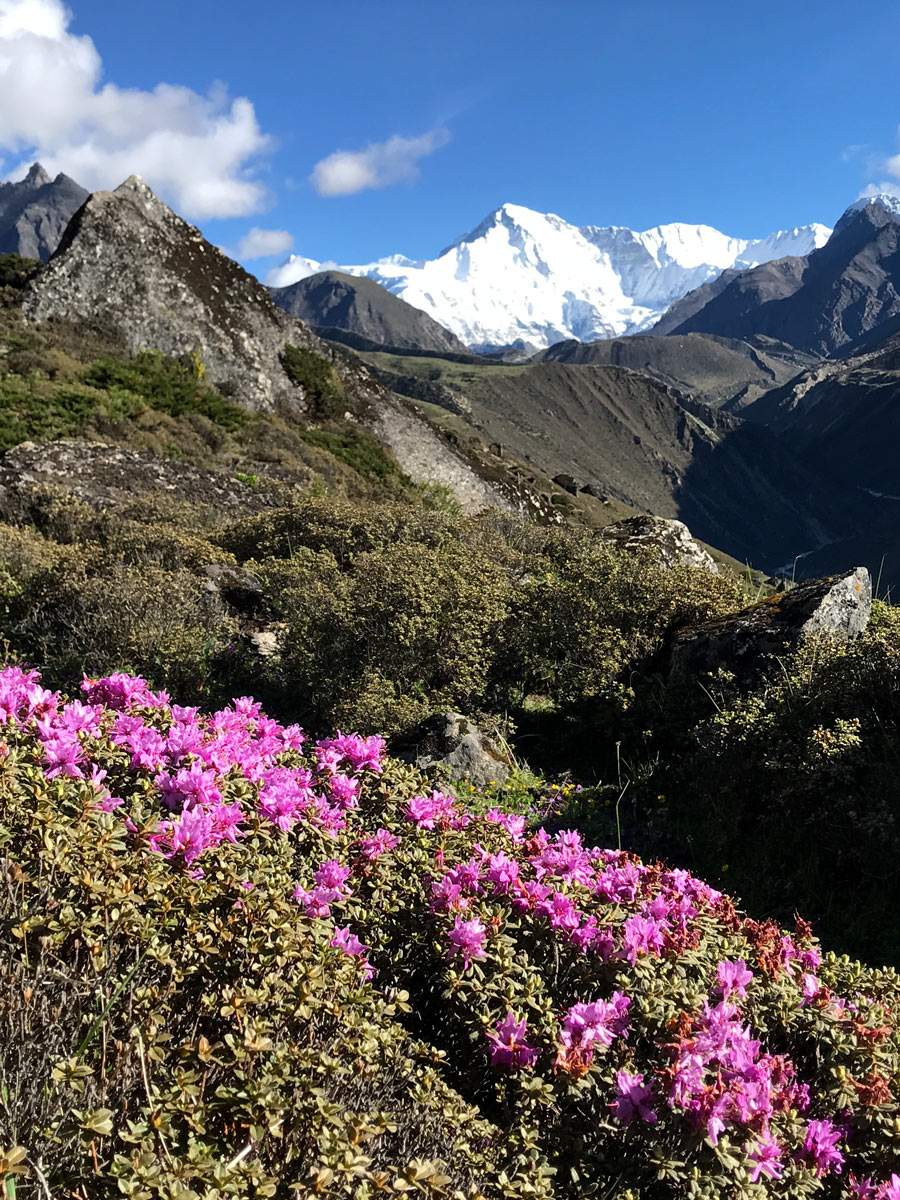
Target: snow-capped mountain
column 532, row 278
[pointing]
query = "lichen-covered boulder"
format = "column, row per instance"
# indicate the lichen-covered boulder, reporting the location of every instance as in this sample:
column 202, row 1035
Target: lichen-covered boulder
column 672, row 539
column 454, row 743
column 104, row 476
column 839, row 605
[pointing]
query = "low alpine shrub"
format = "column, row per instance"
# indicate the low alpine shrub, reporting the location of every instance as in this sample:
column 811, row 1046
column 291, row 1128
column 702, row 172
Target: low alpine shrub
column 277, row 964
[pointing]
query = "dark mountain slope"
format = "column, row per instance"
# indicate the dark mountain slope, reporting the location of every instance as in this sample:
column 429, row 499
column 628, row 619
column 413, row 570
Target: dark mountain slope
column 35, row 211
column 651, row 447
column 820, row 304
column 337, row 301
column 713, row 369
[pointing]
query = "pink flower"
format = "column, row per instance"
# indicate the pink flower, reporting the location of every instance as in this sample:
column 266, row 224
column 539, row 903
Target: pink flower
column 467, row 939
column 191, row 834
column 350, row 944
column 362, row 753
column 333, row 874
column 861, row 1189
column 508, row 1046
column 427, row 812
column 317, row 903
column 632, row 1100
column 514, row 825
column 63, row 755
column 641, row 935
column 381, row 843
column 821, row 1146
column 344, row 790
column 765, row 1158
column 502, row 872
column 599, row 1023
column 733, row 978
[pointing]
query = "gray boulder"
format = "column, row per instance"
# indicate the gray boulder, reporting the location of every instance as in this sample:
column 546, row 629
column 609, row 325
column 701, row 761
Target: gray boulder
column 236, row 587
column 567, row 483
column 839, row 605
column 456, row 745
column 671, row 539
column 104, row 476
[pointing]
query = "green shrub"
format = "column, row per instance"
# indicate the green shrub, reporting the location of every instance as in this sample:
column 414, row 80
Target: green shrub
column 317, row 377
column 168, row 386
column 16, row 271
column 789, row 790
column 290, row 968
column 360, row 450
column 87, row 613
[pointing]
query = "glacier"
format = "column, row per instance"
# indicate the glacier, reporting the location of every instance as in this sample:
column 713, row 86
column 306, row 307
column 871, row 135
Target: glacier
column 529, row 279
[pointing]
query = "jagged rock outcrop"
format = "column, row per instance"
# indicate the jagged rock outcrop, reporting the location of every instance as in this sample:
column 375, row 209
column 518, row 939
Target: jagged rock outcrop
column 670, row 539
column 128, row 265
column 839, row 605
column 35, row 211
column 457, row 747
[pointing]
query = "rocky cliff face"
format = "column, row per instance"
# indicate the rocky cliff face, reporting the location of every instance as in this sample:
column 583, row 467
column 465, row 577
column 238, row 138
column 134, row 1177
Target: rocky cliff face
column 35, row 211
column 128, row 265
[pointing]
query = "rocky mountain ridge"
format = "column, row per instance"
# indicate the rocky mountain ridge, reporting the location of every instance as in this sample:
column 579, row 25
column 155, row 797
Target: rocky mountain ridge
column 131, row 270
column 35, row 211
column 360, row 306
column 822, row 302
column 532, row 279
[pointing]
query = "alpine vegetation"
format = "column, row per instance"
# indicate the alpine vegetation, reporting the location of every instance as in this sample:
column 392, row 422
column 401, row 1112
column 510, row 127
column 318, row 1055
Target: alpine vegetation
column 240, row 961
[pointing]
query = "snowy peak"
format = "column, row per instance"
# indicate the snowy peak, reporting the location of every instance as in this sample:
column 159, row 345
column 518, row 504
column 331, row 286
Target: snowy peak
column 883, row 200
column 527, row 277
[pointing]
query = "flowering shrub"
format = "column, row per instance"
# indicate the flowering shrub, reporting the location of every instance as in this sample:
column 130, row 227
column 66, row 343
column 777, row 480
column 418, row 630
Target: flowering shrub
column 276, row 961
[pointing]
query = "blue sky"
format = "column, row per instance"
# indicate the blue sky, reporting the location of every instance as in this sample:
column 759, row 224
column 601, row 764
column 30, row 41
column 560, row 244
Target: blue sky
column 746, row 117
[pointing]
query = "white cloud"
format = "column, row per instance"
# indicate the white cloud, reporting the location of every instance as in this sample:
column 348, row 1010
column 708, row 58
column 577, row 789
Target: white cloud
column 261, row 243
column 195, row 150
column 295, row 268
column 881, row 165
column 379, row 165
column 888, row 187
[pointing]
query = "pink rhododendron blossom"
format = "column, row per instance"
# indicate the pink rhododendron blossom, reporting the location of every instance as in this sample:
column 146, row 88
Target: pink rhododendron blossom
column 503, row 872
column 511, row 822
column 350, row 944
column 360, row 753
column 596, row 1024
column 381, row 843
column 429, row 812
column 63, row 755
column 641, row 935
column 633, row 1099
column 344, row 790
column 733, row 978
column 467, row 940
column 764, row 1158
column 820, row 1147
column 508, row 1047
